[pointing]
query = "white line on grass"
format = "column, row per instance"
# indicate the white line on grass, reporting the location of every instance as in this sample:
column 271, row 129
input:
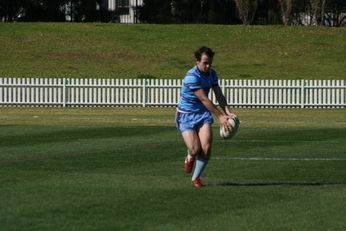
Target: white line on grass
column 279, row 159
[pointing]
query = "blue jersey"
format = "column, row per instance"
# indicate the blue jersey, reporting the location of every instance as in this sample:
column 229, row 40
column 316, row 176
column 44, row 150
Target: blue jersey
column 194, row 80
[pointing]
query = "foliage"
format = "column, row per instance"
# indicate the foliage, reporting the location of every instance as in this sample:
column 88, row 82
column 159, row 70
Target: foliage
column 247, row 10
column 48, row 10
column 321, row 12
column 32, row 10
column 156, row 11
column 286, row 11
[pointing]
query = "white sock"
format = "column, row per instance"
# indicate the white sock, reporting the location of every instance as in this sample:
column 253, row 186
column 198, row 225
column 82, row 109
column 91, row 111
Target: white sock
column 202, row 161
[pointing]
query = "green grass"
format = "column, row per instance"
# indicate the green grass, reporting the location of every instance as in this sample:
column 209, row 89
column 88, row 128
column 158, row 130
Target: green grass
column 121, row 168
column 115, row 169
column 166, row 51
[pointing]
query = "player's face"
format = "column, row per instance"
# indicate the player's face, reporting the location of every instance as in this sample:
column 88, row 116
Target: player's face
column 204, row 64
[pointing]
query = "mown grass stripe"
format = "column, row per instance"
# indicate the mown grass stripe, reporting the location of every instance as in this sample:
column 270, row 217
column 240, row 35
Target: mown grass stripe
column 279, row 159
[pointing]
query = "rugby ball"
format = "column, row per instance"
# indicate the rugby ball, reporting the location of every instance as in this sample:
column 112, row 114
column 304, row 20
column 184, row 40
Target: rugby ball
column 227, row 132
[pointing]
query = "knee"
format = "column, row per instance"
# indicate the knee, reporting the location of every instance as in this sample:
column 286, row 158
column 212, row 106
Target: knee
column 206, row 150
column 195, row 150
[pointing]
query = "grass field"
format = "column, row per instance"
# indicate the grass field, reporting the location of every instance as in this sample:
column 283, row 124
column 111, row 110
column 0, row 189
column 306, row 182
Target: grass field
column 85, row 50
column 121, row 169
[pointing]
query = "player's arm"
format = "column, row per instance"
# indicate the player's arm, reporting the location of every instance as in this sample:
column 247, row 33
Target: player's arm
column 210, row 106
column 221, row 99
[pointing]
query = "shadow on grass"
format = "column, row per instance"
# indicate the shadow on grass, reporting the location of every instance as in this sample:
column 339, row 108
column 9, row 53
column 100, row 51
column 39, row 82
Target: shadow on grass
column 70, row 134
column 228, row 184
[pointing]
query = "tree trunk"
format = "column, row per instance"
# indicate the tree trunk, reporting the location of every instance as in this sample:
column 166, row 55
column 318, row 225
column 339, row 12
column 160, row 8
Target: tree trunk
column 247, row 10
column 318, row 7
column 286, row 10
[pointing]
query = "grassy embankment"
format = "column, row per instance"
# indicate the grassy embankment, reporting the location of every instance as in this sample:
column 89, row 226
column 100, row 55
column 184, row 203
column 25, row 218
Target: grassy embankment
column 166, row 51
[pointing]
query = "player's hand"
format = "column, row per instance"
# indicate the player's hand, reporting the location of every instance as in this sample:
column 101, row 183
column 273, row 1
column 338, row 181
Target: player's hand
column 229, row 113
column 223, row 120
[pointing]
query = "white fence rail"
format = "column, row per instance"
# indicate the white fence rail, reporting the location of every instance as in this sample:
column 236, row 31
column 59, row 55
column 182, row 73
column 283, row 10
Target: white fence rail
column 71, row 92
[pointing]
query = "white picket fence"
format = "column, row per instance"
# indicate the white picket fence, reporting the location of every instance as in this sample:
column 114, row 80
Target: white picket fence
column 74, row 92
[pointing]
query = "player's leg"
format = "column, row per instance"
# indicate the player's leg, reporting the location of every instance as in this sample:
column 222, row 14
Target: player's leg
column 205, row 137
column 193, row 145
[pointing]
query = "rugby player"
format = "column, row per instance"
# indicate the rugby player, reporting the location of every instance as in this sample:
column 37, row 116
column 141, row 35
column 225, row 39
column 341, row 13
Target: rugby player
column 194, row 112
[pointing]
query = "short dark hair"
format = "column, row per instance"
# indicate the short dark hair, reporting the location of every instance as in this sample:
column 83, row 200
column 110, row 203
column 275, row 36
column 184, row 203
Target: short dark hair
column 209, row 52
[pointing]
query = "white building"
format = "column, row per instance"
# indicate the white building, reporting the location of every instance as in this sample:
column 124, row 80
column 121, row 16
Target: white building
column 125, row 10
column 122, row 11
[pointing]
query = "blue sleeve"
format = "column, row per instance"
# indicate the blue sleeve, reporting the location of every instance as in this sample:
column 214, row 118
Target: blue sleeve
column 192, row 81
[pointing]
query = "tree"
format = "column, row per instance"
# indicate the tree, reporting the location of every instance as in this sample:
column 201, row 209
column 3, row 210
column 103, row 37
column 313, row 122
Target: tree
column 246, row 10
column 87, row 10
column 286, row 11
column 318, row 11
column 156, row 11
column 222, row 12
column 31, row 10
column 335, row 13
column 10, row 10
column 191, row 11
column 268, row 12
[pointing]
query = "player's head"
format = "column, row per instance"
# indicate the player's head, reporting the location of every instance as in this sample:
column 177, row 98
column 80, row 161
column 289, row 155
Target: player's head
column 204, row 59
column 204, row 50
